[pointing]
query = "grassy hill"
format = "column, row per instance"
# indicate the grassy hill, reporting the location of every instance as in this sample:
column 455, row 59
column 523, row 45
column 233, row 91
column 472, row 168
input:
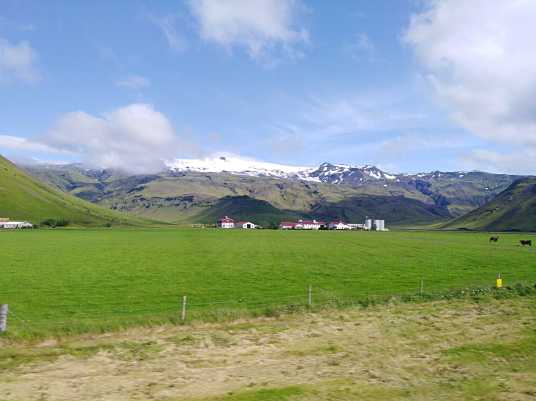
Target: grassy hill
column 512, row 210
column 24, row 198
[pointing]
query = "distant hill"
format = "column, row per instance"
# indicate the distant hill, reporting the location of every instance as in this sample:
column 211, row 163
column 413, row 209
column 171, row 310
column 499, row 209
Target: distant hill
column 514, row 209
column 24, row 198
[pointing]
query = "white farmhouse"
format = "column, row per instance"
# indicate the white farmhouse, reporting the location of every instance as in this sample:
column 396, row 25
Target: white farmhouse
column 339, row 225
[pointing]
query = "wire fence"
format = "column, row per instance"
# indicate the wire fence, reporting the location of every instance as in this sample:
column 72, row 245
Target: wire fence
column 93, row 315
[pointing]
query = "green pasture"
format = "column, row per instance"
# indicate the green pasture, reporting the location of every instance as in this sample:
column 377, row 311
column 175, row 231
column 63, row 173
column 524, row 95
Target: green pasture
column 61, row 280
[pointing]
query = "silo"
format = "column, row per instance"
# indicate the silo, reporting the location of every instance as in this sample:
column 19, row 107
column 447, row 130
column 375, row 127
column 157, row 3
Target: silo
column 379, row 225
column 368, row 224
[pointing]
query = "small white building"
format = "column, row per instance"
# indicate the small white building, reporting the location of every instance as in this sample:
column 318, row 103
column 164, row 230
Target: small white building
column 356, row 226
column 339, row 225
column 245, row 225
column 15, row 224
column 226, row 222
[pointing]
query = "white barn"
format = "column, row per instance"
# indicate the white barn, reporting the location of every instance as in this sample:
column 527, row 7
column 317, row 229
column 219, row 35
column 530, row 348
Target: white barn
column 245, row 225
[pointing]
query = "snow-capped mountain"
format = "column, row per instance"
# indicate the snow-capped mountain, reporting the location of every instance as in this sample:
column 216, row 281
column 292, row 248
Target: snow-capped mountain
column 326, row 172
column 241, row 166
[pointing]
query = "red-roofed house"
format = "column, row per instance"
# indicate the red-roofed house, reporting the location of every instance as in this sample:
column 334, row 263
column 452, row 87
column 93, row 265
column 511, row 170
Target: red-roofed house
column 312, row 224
column 226, row 222
column 288, row 225
column 302, row 225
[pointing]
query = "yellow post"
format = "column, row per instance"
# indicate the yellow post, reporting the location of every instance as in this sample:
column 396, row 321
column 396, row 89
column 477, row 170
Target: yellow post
column 499, row 282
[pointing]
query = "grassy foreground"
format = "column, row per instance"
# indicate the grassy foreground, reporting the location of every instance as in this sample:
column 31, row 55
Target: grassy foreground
column 57, row 281
column 449, row 351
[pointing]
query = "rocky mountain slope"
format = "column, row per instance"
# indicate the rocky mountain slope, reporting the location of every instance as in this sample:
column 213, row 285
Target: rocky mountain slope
column 189, row 189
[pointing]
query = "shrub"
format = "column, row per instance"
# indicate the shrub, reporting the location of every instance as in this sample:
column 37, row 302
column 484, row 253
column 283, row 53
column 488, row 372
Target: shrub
column 61, row 222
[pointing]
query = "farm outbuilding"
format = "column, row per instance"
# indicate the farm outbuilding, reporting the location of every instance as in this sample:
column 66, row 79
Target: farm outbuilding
column 245, row 225
column 15, row 224
column 339, row 225
column 226, row 222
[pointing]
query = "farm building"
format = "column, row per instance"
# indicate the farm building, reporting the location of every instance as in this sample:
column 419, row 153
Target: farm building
column 287, row 225
column 339, row 225
column 15, row 224
column 378, row 225
column 302, row 225
column 245, row 225
column 226, row 222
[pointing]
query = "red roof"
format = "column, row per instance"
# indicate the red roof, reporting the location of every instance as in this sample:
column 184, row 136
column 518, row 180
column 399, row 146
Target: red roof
column 226, row 219
column 288, row 223
column 312, row 222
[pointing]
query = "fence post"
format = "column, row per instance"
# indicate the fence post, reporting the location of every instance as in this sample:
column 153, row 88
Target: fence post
column 4, row 308
column 422, row 286
column 183, row 314
column 310, row 297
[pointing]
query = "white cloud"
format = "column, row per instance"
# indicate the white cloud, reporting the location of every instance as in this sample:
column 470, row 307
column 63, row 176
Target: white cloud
column 520, row 161
column 479, row 57
column 23, row 144
column 135, row 82
column 356, row 114
column 135, row 138
column 261, row 27
column 17, row 62
column 166, row 24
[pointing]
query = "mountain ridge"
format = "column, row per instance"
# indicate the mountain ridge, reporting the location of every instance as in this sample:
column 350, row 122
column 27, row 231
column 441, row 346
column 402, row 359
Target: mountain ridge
column 181, row 195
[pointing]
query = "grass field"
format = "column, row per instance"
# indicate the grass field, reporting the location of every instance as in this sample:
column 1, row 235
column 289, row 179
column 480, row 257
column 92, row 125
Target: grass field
column 79, row 280
column 445, row 351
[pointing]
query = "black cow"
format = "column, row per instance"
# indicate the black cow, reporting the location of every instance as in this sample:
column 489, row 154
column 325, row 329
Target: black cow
column 527, row 242
column 494, row 239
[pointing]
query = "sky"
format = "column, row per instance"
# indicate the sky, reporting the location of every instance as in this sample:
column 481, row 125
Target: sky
column 407, row 85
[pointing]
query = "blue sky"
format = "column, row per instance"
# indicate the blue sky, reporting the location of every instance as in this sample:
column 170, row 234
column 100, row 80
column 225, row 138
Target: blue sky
column 406, row 85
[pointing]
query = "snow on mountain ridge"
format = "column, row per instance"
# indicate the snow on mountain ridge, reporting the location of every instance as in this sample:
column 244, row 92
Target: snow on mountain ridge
column 325, row 172
column 241, row 166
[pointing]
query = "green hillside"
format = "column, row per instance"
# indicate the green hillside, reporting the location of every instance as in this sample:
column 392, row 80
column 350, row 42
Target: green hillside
column 24, row 198
column 397, row 210
column 245, row 208
column 512, row 210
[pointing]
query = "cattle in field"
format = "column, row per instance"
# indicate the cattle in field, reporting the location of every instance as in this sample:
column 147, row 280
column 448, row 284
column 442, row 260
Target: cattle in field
column 494, row 239
column 527, row 242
